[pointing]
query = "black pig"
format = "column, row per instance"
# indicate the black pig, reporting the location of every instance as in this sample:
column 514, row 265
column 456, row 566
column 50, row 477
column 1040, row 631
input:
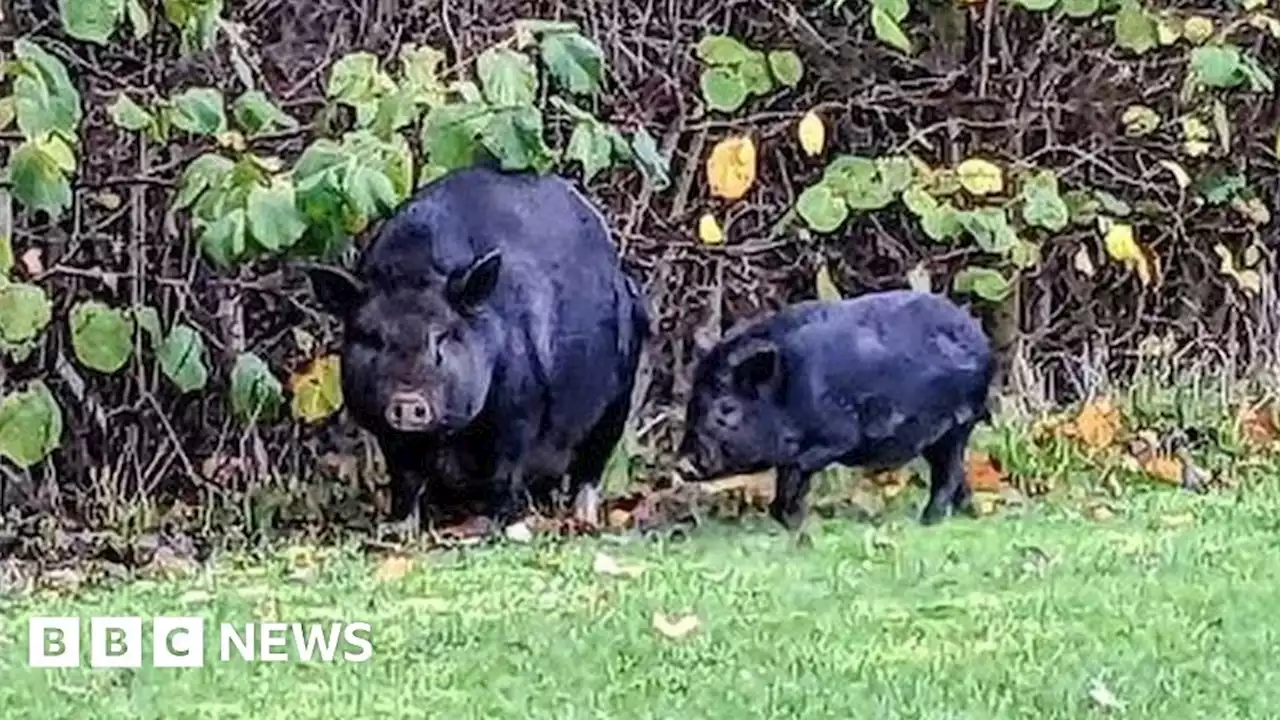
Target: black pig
column 871, row 382
column 493, row 341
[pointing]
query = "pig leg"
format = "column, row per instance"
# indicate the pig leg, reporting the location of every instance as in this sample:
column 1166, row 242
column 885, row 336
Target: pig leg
column 790, row 504
column 946, row 473
column 407, row 488
column 590, row 458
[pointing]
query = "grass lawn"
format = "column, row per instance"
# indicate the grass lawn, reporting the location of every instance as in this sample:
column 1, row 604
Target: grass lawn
column 1170, row 604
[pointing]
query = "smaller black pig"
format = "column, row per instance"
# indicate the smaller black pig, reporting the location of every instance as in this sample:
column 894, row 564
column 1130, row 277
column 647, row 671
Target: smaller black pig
column 870, row 382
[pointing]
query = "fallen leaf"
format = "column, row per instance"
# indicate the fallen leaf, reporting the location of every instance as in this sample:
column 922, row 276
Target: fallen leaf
column 675, row 629
column 731, row 167
column 980, row 177
column 192, row 597
column 607, row 565
column 918, row 278
column 1164, row 468
column 1103, row 697
column 393, row 567
column 709, row 230
column 813, row 134
column 1099, row 512
column 518, row 532
column 1258, row 424
column 1097, row 423
column 618, row 519
column 983, row 472
column 1139, row 120
column 1122, row 247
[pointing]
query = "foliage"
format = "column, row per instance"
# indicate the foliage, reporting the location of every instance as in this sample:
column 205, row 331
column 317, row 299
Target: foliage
column 735, row 72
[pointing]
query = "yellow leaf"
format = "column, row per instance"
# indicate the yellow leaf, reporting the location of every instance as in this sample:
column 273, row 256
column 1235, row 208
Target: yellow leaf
column 394, row 567
column 317, row 390
column 1252, row 5
column 1122, row 247
column 1167, row 30
column 1197, row 29
column 1277, row 147
column 1179, row 175
column 731, row 167
column 1254, row 209
column 709, row 230
column 826, row 287
column 980, row 177
column 813, row 134
column 675, row 629
column 1249, row 280
column 918, row 278
column 607, row 565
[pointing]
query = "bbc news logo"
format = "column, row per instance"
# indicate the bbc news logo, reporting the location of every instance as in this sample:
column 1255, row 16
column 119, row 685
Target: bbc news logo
column 179, row 642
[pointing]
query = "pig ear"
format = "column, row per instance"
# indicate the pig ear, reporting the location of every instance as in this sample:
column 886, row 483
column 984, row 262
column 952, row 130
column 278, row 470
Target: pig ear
column 472, row 286
column 756, row 364
column 337, row 290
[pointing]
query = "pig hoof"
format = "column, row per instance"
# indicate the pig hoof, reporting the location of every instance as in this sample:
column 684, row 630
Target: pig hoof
column 802, row 539
column 586, row 508
column 931, row 516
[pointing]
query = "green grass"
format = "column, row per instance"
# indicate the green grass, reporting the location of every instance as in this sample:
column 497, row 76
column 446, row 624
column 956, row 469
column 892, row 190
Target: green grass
column 1007, row 617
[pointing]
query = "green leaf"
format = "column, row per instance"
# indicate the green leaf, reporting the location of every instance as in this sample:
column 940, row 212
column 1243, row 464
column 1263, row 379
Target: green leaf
column 421, row 68
column 25, row 310
column 1042, row 205
column 356, row 80
column 919, row 201
column 507, row 77
column 372, row 191
column 256, row 394
column 652, row 164
column 45, row 98
column 942, row 224
column 896, row 172
column 721, row 50
column 574, row 61
column 1220, row 187
column 896, row 9
column 199, row 21
column 129, row 115
column 91, row 20
column 101, row 336
column 36, row 172
column 274, row 220
column 138, row 18
column 255, row 113
column 786, row 67
column 1259, row 80
column 889, row 32
column 1082, row 206
column 592, row 147
column 201, row 174
column 988, row 284
column 858, row 181
column 722, row 88
column 30, row 425
column 199, row 111
column 450, row 134
column 515, row 139
column 1080, row 9
column 822, row 208
column 1037, row 5
column 756, row 79
column 182, row 359
column 1134, row 28
column 6, row 258
column 990, row 228
column 1217, row 65
column 320, row 157
column 223, row 240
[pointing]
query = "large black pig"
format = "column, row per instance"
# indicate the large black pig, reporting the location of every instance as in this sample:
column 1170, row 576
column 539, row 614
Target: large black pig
column 492, row 342
column 870, row 382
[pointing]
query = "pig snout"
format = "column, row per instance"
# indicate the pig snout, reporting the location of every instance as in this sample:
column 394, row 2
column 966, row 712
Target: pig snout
column 409, row 411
